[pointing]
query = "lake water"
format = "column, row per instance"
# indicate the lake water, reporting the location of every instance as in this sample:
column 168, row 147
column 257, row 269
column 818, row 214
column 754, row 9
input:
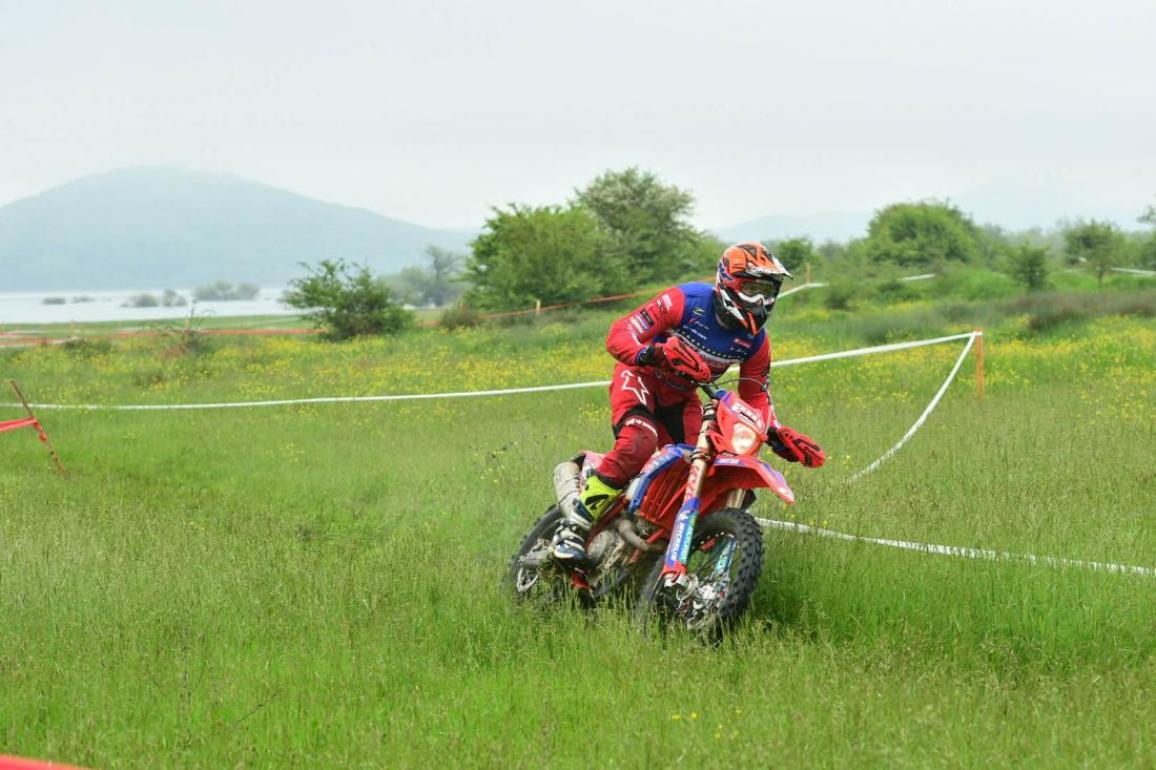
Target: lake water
column 26, row 308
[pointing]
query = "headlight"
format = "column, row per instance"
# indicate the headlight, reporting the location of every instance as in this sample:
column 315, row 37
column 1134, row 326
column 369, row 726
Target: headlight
column 743, row 438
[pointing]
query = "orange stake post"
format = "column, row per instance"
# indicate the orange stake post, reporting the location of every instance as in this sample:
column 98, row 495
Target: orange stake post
column 40, row 428
column 979, row 373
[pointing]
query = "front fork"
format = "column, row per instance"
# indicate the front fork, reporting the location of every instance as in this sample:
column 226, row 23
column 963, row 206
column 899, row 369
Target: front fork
column 678, row 551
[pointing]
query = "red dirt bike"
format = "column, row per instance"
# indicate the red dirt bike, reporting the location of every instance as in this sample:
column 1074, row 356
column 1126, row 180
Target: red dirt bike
column 680, row 534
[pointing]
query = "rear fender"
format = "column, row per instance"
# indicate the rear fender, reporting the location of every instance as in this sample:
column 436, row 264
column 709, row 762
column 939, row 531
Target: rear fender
column 742, row 472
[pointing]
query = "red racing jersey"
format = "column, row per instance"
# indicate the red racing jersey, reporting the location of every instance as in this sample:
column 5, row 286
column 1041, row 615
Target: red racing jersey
column 687, row 312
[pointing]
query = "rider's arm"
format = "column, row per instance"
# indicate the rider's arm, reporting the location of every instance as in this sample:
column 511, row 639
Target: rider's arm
column 755, row 376
column 631, row 333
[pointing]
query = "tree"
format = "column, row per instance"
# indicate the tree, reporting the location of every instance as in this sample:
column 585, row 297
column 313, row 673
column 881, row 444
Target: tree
column 550, row 254
column 1149, row 216
column 1029, row 266
column 445, row 268
column 438, row 283
column 922, row 234
column 648, row 221
column 1147, row 255
column 705, row 255
column 347, row 302
column 796, row 254
column 223, row 291
column 1097, row 245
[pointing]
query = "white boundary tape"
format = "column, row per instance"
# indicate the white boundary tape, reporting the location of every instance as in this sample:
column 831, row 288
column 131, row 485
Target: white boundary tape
column 923, row 417
column 469, row 393
column 791, row 291
column 948, row 550
column 959, row 551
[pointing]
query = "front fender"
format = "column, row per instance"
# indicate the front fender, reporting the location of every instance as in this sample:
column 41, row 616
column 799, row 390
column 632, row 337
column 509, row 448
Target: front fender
column 742, row 472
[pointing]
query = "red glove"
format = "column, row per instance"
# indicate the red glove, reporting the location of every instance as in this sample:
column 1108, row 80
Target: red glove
column 676, row 356
column 795, row 447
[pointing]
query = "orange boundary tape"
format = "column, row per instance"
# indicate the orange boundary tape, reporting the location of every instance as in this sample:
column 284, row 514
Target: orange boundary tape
column 17, row 763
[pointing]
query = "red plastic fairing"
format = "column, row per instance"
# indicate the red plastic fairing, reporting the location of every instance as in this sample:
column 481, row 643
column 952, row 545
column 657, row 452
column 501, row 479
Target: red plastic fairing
column 736, row 472
column 664, row 495
column 733, row 412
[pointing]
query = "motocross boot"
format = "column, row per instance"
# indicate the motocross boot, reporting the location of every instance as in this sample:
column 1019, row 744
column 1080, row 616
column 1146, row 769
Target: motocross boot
column 569, row 545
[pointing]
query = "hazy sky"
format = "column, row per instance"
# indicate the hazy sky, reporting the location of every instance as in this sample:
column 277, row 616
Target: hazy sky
column 434, row 110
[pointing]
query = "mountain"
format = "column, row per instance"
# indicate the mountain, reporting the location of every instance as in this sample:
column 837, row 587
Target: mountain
column 1014, row 204
column 157, row 227
column 832, row 226
column 1024, row 203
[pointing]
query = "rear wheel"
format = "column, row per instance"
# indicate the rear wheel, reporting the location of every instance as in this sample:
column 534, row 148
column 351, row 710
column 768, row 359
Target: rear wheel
column 726, row 559
column 533, row 577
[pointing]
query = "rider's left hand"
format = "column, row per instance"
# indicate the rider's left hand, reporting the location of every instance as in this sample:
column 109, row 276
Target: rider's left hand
column 795, row 447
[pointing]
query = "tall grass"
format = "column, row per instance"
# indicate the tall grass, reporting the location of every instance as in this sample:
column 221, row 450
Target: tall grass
column 318, row 586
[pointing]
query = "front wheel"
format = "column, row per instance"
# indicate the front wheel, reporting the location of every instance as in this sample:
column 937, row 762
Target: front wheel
column 726, row 559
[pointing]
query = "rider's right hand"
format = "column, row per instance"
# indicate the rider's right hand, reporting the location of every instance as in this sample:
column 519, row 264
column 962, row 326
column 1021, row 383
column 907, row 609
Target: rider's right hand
column 795, row 447
column 675, row 355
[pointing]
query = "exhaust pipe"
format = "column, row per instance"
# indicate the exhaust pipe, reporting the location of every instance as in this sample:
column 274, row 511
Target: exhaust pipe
column 566, row 484
column 630, row 535
column 566, row 487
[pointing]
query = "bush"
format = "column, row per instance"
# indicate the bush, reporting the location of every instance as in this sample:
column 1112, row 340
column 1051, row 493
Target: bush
column 460, row 316
column 1029, row 266
column 141, row 300
column 223, row 291
column 1099, row 246
column 894, row 290
column 172, row 299
column 183, row 337
column 1047, row 311
column 972, row 283
column 839, row 294
column 79, row 347
column 346, row 302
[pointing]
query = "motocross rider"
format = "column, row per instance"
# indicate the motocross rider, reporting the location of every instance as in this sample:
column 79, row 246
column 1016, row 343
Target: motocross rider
column 689, row 333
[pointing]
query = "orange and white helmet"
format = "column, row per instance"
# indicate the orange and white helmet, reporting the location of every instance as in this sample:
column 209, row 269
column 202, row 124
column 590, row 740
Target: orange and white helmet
column 748, row 281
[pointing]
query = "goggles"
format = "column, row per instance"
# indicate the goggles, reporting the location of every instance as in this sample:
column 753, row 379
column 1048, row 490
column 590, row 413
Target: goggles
column 756, row 289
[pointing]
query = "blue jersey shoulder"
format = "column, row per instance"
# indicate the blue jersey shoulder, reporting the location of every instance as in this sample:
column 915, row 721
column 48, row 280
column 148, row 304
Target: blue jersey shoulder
column 698, row 299
column 701, row 327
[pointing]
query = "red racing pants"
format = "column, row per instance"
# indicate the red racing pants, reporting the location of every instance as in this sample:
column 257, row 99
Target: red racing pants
column 647, row 412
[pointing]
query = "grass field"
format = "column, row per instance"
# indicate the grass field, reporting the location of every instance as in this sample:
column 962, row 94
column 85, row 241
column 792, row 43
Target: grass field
column 318, row 586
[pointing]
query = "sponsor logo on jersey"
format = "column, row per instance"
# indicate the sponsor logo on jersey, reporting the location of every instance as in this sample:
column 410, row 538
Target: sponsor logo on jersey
column 647, row 319
column 632, row 383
